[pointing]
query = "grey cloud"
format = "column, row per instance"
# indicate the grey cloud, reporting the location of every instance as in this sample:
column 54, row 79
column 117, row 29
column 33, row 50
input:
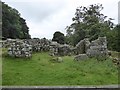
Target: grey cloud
column 37, row 11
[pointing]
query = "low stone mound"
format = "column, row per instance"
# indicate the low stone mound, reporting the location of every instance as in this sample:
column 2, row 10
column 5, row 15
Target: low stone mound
column 80, row 57
column 116, row 61
column 56, row 60
column 20, row 49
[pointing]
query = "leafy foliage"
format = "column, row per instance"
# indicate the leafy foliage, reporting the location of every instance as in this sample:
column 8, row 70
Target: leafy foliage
column 88, row 23
column 58, row 37
column 113, row 37
column 14, row 26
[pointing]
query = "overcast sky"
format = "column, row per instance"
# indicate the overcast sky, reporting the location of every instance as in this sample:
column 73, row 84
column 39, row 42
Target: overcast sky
column 44, row 17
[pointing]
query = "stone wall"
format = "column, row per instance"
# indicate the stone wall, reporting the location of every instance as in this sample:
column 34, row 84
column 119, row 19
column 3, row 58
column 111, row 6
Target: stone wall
column 20, row 49
column 38, row 45
column 54, row 48
column 82, row 46
column 64, row 50
column 24, row 48
column 98, row 48
column 7, row 43
column 60, row 50
column 1, row 42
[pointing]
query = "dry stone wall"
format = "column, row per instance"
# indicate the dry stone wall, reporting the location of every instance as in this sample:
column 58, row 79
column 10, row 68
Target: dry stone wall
column 57, row 49
column 20, row 49
column 64, row 50
column 38, row 44
column 54, row 48
column 98, row 48
column 82, row 46
column 24, row 48
column 7, row 43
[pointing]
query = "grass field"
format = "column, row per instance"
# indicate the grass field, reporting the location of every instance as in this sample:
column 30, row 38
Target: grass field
column 39, row 70
column 0, row 71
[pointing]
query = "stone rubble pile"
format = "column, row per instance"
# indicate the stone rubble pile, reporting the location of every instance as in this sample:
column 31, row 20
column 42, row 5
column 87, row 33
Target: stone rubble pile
column 116, row 61
column 80, row 57
column 56, row 59
column 20, row 49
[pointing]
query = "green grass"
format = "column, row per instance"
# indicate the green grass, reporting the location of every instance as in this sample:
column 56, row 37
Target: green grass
column 0, row 66
column 39, row 70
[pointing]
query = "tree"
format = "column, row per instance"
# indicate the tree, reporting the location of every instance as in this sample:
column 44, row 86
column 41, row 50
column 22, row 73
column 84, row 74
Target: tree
column 59, row 37
column 13, row 25
column 113, row 38
column 89, row 23
column 118, row 37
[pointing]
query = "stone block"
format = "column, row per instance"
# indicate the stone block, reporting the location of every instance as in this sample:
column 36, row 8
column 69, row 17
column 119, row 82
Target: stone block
column 80, row 57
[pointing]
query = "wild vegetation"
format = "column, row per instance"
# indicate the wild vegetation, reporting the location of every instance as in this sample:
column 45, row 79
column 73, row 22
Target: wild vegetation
column 39, row 70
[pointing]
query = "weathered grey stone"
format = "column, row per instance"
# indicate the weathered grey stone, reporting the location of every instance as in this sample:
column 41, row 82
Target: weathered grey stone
column 1, row 42
column 20, row 49
column 109, row 53
column 80, row 57
column 64, row 50
column 80, row 47
column 39, row 45
column 54, row 48
column 98, row 48
column 59, row 50
column 7, row 43
column 57, row 59
column 87, row 44
column 116, row 61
